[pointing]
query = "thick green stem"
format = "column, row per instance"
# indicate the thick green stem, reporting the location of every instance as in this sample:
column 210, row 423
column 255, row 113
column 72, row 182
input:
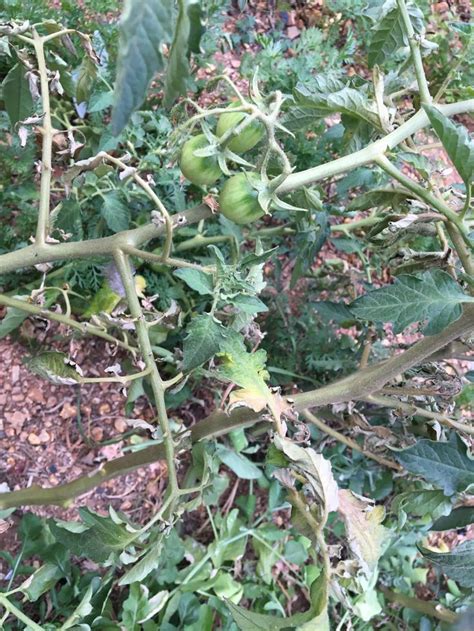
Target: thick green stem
column 371, row 152
column 354, row 387
column 415, row 50
column 106, row 246
column 47, row 144
column 157, row 384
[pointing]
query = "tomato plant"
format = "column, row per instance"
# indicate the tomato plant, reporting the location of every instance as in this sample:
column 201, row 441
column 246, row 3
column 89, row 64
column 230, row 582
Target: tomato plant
column 302, row 380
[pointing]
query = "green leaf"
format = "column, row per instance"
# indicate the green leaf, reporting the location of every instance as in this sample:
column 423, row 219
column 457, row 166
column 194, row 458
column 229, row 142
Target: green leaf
column 204, row 339
column 12, row 320
column 114, row 212
column 148, row 562
column 457, row 564
column 197, row 280
column 378, row 198
column 186, row 39
column 389, row 34
column 145, row 26
column 16, row 94
column 459, row 518
column 41, row 581
column 85, row 80
column 315, row 619
column 456, row 140
column 428, row 504
column 444, row 464
column 238, row 463
column 56, row 367
column 347, row 101
column 433, row 297
column 96, row 538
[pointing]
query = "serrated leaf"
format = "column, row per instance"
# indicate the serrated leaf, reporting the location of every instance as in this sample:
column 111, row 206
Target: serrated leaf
column 247, row 370
column 347, row 101
column 434, row 297
column 186, row 39
column 145, row 26
column 197, row 280
column 204, row 339
column 457, row 564
column 16, row 94
column 365, row 532
column 443, row 464
column 315, row 468
column 389, row 34
column 456, row 140
column 115, row 212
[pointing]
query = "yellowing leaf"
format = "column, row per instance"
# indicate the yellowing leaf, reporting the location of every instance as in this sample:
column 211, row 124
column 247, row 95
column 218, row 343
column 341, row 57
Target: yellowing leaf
column 247, row 370
column 315, row 468
column 364, row 528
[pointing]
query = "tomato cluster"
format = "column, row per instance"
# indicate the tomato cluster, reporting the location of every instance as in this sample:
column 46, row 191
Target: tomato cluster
column 238, row 198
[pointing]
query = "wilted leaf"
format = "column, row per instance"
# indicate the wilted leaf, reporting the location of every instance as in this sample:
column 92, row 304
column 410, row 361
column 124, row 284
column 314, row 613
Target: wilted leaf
column 433, row 296
column 444, row 464
column 364, row 528
column 41, row 581
column 85, row 79
column 315, row 468
column 247, row 370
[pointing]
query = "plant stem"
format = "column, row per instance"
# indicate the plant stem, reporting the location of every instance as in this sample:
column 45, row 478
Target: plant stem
column 371, row 152
column 357, row 386
column 395, row 403
column 352, row 444
column 9, row 606
column 157, row 384
column 47, row 143
column 83, row 327
column 415, row 53
column 430, row 608
column 155, row 258
column 105, row 246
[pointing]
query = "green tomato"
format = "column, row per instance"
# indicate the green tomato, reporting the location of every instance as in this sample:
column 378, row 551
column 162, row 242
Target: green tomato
column 200, row 171
column 238, row 199
column 248, row 137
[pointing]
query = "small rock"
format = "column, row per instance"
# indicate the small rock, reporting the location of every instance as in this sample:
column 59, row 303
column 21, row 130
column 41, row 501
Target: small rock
column 120, row 425
column 15, row 374
column 16, row 419
column 34, row 439
column 35, row 394
column 68, row 411
column 44, row 436
column 97, row 433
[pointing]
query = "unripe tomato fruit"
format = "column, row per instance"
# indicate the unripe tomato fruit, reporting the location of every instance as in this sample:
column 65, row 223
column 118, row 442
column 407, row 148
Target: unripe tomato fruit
column 200, row 171
column 239, row 200
column 248, row 137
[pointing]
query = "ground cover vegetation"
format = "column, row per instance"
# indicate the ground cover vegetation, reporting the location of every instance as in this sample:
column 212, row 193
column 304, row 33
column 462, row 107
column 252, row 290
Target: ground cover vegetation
column 265, row 207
